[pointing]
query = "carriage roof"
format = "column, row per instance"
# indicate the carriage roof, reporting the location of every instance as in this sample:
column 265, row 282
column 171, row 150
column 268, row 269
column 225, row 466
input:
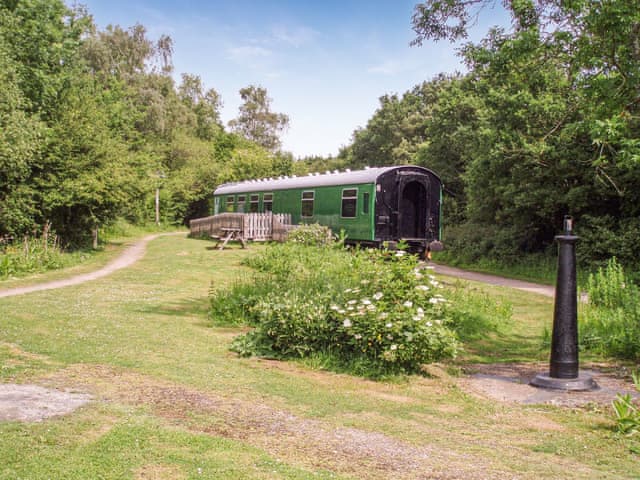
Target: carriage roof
column 356, row 177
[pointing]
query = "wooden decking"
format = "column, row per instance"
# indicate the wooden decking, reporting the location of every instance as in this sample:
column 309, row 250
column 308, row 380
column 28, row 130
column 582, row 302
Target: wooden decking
column 243, row 227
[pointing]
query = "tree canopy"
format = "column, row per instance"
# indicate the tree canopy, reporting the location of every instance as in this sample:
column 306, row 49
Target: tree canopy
column 92, row 122
column 544, row 123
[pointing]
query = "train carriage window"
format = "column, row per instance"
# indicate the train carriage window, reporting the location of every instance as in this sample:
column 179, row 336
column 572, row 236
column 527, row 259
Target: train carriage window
column 254, row 203
column 267, row 202
column 241, row 201
column 365, row 202
column 307, row 204
column 230, row 201
column 349, row 203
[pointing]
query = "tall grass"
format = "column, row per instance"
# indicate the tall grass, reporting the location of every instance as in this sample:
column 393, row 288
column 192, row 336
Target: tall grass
column 30, row 255
column 610, row 321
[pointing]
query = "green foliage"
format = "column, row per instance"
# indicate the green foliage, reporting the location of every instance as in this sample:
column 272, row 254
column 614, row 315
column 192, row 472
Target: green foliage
column 372, row 313
column 313, row 234
column 32, row 255
column 474, row 315
column 627, row 412
column 256, row 121
column 545, row 123
column 610, row 322
column 92, row 123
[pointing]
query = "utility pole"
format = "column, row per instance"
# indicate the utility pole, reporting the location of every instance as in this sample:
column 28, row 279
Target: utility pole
column 158, row 205
column 161, row 176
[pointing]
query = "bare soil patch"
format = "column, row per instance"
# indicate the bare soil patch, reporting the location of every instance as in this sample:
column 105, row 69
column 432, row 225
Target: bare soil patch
column 32, row 403
column 509, row 382
column 309, row 443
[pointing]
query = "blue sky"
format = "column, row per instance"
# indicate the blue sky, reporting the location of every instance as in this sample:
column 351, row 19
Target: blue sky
column 323, row 63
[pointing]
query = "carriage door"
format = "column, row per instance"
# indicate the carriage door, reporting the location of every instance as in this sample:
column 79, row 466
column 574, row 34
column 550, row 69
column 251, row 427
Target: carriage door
column 412, row 206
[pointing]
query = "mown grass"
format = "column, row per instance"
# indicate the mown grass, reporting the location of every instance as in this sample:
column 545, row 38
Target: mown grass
column 149, row 322
column 76, row 262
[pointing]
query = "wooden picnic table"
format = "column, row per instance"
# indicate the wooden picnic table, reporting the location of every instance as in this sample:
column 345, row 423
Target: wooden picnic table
column 229, row 234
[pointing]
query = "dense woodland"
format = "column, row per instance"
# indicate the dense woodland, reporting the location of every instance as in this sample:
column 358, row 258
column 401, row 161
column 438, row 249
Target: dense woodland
column 545, row 122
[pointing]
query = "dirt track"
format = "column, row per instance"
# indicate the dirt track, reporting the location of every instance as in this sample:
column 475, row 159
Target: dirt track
column 132, row 254
column 546, row 290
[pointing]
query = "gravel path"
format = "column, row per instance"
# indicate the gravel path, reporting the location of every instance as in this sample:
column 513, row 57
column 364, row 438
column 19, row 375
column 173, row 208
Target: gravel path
column 132, row 254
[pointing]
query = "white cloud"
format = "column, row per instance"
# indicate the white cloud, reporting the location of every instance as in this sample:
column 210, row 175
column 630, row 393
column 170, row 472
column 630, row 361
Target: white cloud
column 389, row 67
column 296, row 36
column 248, row 53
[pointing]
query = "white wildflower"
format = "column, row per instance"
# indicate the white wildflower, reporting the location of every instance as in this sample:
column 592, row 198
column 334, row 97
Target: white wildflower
column 393, row 347
column 424, row 288
column 389, row 325
column 429, row 324
column 364, row 282
column 417, row 318
column 335, row 307
column 371, row 308
column 383, row 315
column 408, row 304
column 346, row 323
column 420, row 311
column 352, row 302
column 433, row 300
column 377, row 295
column 400, row 253
column 366, row 301
column 357, row 336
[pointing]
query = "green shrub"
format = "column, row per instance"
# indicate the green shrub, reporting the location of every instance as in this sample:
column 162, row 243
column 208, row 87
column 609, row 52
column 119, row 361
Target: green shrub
column 610, row 322
column 313, row 234
column 370, row 312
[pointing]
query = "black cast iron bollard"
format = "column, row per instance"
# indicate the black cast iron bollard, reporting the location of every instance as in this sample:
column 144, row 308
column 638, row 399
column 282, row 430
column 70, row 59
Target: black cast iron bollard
column 564, row 340
column 564, row 373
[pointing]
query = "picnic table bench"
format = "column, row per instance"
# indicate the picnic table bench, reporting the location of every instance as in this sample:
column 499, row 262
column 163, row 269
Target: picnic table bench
column 242, row 227
column 229, row 234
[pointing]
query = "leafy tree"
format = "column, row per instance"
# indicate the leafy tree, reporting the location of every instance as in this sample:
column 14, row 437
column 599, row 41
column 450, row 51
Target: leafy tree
column 205, row 105
column 256, row 121
column 20, row 144
column 555, row 122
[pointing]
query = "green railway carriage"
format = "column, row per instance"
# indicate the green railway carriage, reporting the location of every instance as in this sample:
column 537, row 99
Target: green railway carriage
column 372, row 206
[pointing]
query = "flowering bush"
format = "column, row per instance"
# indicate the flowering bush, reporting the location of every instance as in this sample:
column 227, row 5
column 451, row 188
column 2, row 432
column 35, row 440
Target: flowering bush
column 313, row 234
column 381, row 310
column 395, row 316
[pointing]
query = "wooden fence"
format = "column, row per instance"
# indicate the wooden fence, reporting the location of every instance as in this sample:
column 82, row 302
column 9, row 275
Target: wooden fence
column 249, row 226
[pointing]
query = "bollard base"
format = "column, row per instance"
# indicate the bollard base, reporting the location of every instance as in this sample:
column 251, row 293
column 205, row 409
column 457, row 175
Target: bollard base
column 582, row 383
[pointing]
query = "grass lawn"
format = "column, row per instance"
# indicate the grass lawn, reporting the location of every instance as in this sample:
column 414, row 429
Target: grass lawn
column 171, row 402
